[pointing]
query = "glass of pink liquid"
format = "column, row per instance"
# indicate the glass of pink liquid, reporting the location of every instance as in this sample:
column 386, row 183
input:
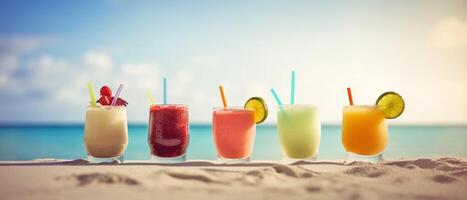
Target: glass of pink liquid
column 234, row 131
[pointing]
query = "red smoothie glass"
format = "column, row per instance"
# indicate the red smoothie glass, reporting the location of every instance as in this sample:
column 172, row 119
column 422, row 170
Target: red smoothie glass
column 168, row 133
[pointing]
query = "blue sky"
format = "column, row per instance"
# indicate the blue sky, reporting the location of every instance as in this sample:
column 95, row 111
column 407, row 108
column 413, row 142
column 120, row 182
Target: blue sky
column 50, row 49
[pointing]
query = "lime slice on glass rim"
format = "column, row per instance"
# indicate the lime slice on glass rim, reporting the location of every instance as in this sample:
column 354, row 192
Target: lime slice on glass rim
column 259, row 106
column 392, row 104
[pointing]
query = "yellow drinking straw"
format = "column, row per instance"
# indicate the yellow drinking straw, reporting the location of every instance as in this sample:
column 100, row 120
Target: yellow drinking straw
column 150, row 97
column 91, row 94
column 223, row 96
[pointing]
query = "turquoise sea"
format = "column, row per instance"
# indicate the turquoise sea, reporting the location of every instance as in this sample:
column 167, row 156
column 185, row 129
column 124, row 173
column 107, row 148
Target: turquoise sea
column 26, row 142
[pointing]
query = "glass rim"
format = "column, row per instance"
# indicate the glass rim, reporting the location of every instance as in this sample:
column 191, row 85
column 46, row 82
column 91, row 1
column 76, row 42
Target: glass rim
column 231, row 108
column 169, row 104
column 362, row 106
column 104, row 106
column 292, row 105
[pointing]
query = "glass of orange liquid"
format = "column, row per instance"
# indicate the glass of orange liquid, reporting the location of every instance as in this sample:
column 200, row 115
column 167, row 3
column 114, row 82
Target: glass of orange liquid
column 364, row 133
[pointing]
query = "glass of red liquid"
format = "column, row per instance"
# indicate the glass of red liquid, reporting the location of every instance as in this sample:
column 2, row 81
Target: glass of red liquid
column 168, row 133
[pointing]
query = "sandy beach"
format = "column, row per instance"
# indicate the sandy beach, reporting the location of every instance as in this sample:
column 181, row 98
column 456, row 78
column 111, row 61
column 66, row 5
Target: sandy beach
column 443, row 178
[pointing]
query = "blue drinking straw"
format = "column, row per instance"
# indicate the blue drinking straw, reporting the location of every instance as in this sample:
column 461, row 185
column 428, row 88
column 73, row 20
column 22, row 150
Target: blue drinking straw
column 165, row 90
column 276, row 97
column 292, row 89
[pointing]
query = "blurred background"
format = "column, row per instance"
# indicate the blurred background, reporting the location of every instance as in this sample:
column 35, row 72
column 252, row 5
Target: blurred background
column 49, row 50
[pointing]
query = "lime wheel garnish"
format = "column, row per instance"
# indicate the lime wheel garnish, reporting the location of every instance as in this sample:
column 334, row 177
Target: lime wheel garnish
column 259, row 106
column 392, row 104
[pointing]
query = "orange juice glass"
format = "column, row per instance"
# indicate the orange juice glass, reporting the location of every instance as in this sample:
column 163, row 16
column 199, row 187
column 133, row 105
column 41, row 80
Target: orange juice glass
column 234, row 131
column 364, row 133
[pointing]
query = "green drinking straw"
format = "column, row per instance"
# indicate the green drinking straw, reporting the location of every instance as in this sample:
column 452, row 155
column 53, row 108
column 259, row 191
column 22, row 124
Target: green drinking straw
column 292, row 89
column 91, row 94
column 165, row 90
column 276, row 97
column 150, row 97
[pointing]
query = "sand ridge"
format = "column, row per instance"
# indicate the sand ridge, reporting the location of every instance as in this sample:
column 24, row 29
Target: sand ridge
column 443, row 178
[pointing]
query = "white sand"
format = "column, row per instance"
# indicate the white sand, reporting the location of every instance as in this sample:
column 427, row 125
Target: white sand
column 444, row 178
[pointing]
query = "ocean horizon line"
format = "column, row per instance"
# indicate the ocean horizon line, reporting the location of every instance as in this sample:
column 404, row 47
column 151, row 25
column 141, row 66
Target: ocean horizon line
column 192, row 125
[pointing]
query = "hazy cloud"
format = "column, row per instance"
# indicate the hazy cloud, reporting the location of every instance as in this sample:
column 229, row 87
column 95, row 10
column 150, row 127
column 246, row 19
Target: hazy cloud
column 450, row 32
column 3, row 80
column 97, row 60
column 12, row 48
column 207, row 61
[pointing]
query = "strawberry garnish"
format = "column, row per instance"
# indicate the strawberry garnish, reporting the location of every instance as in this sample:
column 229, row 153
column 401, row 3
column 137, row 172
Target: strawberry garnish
column 106, row 91
column 120, row 102
column 105, row 100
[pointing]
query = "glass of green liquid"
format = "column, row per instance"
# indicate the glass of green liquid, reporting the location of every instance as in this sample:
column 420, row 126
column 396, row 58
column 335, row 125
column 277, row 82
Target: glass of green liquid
column 299, row 130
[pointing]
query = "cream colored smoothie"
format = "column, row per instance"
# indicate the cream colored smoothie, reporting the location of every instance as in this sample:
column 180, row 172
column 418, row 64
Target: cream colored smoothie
column 106, row 131
column 299, row 130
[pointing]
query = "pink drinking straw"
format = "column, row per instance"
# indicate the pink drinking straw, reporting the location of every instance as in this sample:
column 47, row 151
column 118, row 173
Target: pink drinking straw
column 117, row 94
